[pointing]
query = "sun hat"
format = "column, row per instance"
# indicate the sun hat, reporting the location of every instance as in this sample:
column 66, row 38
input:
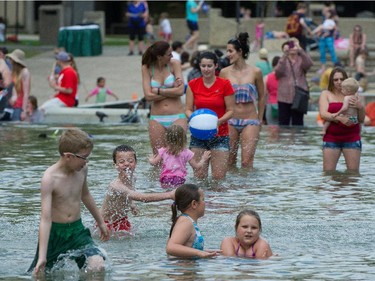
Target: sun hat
column 63, row 56
column 263, row 53
column 17, row 56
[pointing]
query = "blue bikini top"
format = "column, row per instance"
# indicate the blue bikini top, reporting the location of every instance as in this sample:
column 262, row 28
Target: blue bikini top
column 198, row 240
column 168, row 82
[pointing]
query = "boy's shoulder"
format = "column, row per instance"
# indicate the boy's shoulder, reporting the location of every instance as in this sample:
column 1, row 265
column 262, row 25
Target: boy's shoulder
column 118, row 187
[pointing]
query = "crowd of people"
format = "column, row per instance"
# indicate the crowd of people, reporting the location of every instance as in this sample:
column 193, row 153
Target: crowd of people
column 244, row 97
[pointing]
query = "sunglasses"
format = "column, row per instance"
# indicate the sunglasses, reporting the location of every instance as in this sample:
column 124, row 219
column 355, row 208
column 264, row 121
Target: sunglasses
column 79, row 156
column 338, row 79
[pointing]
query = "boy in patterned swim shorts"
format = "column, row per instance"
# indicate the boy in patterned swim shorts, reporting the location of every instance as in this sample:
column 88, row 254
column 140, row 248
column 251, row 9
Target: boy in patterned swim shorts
column 121, row 194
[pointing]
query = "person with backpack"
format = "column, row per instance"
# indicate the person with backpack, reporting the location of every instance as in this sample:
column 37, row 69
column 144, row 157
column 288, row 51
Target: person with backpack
column 296, row 25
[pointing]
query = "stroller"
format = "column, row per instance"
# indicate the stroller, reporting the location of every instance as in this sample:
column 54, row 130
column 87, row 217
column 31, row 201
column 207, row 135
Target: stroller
column 131, row 116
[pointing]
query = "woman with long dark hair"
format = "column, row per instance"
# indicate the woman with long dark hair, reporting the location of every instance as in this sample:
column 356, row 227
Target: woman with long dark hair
column 163, row 86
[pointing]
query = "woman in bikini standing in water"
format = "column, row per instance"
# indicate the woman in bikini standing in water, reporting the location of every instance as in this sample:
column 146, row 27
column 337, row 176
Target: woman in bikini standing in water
column 247, row 81
column 163, row 87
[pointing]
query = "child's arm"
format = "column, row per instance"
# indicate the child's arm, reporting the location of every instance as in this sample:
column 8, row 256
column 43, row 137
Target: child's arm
column 317, row 29
column 345, row 106
column 264, row 250
column 198, row 165
column 227, row 247
column 154, row 159
column 176, row 243
column 93, row 93
column 90, row 204
column 45, row 222
column 150, row 197
column 109, row 92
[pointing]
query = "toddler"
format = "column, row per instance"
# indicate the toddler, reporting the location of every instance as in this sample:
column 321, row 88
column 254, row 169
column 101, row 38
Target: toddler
column 174, row 158
column 349, row 88
column 33, row 114
column 101, row 91
column 165, row 29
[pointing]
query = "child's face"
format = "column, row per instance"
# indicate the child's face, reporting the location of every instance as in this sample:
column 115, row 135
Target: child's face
column 80, row 159
column 248, row 230
column 125, row 162
column 101, row 83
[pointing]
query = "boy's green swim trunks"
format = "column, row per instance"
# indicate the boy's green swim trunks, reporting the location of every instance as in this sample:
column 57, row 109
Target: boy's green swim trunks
column 71, row 240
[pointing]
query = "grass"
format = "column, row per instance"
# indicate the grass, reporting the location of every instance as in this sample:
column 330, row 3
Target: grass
column 33, row 47
column 116, row 40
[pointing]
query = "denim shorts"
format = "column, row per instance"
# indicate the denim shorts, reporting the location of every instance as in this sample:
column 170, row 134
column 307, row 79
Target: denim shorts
column 343, row 145
column 216, row 143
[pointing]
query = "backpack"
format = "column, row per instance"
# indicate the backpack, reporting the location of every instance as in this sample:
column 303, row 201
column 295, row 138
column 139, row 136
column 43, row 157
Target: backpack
column 293, row 26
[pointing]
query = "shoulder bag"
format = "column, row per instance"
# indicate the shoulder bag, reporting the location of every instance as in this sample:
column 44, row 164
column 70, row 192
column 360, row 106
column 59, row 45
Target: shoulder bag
column 302, row 96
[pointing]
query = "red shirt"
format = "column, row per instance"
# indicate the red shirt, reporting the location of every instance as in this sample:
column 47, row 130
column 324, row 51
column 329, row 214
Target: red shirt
column 212, row 98
column 338, row 132
column 68, row 79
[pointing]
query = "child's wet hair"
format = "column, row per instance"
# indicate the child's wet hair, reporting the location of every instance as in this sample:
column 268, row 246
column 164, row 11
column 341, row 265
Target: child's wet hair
column 185, row 194
column 248, row 213
column 74, row 140
column 99, row 79
column 350, row 84
column 175, row 139
column 123, row 148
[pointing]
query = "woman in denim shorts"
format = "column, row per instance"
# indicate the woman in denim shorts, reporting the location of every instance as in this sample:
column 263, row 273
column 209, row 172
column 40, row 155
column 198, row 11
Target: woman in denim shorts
column 342, row 136
column 217, row 94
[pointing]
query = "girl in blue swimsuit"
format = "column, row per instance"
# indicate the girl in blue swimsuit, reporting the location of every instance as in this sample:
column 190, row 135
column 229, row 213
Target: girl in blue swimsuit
column 185, row 238
column 163, row 87
column 247, row 243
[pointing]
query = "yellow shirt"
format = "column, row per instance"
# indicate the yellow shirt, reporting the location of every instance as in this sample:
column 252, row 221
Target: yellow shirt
column 324, row 79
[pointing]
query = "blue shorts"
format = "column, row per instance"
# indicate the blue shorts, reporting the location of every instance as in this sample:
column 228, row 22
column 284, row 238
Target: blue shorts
column 343, row 145
column 216, row 143
column 192, row 25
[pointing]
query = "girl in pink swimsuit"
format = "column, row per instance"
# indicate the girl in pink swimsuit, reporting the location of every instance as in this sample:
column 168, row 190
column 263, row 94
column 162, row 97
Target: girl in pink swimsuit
column 247, row 243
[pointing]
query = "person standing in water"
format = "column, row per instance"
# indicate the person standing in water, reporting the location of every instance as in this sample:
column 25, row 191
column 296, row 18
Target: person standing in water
column 63, row 188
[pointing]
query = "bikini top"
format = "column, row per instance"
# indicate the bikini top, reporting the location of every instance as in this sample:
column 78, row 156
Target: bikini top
column 252, row 249
column 198, row 240
column 245, row 93
column 168, row 82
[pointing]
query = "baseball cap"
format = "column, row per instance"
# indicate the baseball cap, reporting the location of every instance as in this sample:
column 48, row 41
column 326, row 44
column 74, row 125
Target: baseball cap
column 62, row 56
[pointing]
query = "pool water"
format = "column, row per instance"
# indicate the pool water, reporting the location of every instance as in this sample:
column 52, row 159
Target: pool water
column 321, row 225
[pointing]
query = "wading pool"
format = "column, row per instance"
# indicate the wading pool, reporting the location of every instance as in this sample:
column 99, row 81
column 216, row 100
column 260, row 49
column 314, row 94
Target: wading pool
column 322, row 226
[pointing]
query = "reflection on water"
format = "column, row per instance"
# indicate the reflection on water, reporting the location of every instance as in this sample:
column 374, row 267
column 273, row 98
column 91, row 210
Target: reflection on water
column 321, row 225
